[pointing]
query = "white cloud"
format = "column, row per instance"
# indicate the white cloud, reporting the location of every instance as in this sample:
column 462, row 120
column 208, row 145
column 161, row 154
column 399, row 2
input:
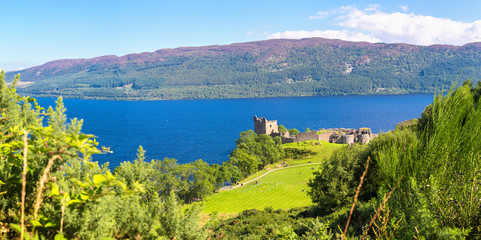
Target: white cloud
column 411, row 28
column 321, row 14
column 373, row 8
column 249, row 32
column 373, row 25
column 331, row 34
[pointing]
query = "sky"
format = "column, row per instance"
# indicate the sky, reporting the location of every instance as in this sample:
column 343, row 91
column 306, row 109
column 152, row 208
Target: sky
column 33, row 32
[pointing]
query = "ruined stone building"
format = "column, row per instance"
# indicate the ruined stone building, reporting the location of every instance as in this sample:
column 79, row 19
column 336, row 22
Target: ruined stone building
column 263, row 126
column 350, row 136
column 337, row 135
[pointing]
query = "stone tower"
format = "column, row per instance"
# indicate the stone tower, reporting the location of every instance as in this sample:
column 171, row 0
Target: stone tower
column 263, row 126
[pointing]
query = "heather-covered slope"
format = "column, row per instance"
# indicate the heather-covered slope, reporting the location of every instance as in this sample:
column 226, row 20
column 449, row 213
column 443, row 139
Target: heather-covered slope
column 278, row 67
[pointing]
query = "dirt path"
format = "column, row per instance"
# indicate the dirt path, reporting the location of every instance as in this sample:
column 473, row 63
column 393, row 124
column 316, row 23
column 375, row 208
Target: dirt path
column 242, row 183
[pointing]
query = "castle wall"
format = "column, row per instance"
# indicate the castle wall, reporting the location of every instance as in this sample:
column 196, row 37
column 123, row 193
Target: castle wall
column 306, row 137
column 271, row 127
column 324, row 136
column 335, row 138
column 348, row 139
column 364, row 138
column 259, row 128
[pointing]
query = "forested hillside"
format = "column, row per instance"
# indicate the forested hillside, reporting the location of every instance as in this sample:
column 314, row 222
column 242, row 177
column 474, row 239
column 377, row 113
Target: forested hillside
column 281, row 67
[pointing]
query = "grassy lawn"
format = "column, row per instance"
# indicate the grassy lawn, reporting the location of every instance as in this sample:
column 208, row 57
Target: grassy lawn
column 323, row 151
column 284, row 188
column 279, row 189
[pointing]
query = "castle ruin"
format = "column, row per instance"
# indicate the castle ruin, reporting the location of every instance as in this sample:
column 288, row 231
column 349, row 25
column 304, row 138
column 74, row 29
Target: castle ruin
column 350, row 136
column 336, row 135
column 264, row 126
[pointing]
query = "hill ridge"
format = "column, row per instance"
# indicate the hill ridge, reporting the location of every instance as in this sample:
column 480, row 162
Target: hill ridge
column 172, row 51
column 275, row 67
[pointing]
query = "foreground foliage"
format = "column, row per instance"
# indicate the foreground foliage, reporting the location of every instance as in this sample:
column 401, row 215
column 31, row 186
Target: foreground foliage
column 433, row 165
column 272, row 224
column 50, row 187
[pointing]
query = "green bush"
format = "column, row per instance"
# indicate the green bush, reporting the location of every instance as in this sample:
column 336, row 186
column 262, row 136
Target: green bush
column 255, row 151
column 298, row 153
column 334, row 185
column 293, row 131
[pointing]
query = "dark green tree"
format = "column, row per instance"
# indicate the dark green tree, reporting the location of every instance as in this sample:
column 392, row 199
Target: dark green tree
column 334, row 185
column 247, row 164
column 293, row 131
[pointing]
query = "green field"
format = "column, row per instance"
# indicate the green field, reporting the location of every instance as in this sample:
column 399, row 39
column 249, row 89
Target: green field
column 323, row 151
column 280, row 189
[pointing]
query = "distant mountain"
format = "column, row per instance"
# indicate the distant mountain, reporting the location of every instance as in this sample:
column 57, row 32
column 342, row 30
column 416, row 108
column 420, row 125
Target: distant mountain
column 278, row 67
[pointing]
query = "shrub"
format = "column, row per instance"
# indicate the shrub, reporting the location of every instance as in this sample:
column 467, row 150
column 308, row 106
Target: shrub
column 293, row 131
column 334, row 186
column 297, row 153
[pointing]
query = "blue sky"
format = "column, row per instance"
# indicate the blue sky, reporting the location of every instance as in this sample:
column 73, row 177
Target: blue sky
column 35, row 32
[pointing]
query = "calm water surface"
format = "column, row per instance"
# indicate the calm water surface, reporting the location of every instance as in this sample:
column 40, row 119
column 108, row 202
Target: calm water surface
column 188, row 130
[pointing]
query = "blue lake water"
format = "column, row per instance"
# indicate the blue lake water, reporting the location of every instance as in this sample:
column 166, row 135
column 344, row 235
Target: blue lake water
column 188, row 130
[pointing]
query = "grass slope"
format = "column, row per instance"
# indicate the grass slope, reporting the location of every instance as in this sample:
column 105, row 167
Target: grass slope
column 279, row 189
